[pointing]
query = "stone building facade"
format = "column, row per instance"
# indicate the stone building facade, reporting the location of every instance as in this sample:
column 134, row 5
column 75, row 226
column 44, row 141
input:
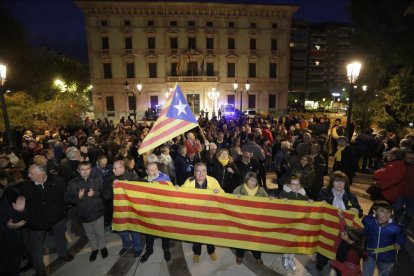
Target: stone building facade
column 201, row 46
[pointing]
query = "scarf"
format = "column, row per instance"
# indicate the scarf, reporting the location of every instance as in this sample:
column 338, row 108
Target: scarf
column 338, row 202
column 251, row 192
column 222, row 161
column 338, row 154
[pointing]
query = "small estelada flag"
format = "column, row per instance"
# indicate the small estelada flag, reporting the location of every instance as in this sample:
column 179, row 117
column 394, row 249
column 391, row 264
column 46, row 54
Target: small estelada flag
column 175, row 118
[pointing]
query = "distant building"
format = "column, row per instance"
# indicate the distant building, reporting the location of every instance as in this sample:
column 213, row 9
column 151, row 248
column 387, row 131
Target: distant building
column 199, row 45
column 319, row 54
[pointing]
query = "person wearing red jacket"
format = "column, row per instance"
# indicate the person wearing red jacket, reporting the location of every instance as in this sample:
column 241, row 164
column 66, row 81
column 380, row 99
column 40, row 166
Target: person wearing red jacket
column 266, row 133
column 406, row 197
column 390, row 178
column 192, row 144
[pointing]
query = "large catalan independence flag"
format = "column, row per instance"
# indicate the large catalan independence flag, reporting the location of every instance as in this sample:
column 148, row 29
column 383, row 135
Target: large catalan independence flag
column 254, row 223
column 175, row 118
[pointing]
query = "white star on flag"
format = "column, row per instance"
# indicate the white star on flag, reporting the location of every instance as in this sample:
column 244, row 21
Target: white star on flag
column 180, row 107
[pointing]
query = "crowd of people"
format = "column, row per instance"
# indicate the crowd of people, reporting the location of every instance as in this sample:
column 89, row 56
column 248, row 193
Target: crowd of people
column 68, row 174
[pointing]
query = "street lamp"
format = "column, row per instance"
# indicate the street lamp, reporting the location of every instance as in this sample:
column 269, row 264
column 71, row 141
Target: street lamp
column 323, row 104
column 352, row 72
column 169, row 92
column 10, row 141
column 213, row 95
column 139, row 87
column 247, row 88
column 134, row 94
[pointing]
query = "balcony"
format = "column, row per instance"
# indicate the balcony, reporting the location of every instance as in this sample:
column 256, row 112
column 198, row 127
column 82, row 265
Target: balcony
column 173, row 52
column 193, row 79
column 275, row 52
column 151, row 52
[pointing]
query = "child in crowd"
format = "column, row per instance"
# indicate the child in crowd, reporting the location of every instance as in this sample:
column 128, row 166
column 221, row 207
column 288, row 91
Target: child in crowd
column 349, row 252
column 294, row 191
column 384, row 239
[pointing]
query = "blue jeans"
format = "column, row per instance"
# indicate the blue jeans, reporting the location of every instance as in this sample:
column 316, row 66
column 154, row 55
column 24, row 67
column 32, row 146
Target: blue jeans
column 131, row 239
column 384, row 269
column 400, row 216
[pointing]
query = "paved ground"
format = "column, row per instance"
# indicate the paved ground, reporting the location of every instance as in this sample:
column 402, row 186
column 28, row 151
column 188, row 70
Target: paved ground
column 181, row 263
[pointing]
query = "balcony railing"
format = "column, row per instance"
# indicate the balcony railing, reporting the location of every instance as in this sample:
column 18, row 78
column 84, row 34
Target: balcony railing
column 231, row 52
column 193, row 79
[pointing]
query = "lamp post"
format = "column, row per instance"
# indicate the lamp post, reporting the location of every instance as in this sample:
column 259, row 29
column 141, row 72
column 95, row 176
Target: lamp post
column 324, row 106
column 213, row 95
column 246, row 86
column 168, row 92
column 352, row 72
column 134, row 94
column 10, row 141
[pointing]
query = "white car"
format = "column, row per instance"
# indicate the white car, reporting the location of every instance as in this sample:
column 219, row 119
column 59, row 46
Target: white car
column 250, row 113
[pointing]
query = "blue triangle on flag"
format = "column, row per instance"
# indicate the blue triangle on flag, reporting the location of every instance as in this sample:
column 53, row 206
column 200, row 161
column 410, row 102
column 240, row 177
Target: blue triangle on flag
column 179, row 108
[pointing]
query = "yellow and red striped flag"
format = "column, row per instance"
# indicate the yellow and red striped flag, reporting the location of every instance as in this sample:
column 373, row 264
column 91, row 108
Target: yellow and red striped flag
column 253, row 223
column 175, row 118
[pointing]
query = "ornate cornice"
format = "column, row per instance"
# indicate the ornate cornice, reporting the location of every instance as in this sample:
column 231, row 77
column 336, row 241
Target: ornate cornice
column 185, row 9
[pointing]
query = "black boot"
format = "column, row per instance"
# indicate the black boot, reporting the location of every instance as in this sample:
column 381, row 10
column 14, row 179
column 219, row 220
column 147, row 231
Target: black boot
column 167, row 255
column 145, row 257
column 93, row 256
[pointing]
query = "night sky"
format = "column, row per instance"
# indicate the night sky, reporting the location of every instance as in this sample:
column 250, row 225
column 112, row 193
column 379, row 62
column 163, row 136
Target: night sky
column 59, row 24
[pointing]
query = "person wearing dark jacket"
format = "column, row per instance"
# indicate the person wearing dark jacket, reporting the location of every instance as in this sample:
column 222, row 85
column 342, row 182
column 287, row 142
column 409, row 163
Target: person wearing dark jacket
column 225, row 171
column 306, row 172
column 292, row 191
column 282, row 164
column 208, row 156
column 364, row 145
column 339, row 195
column 130, row 239
column 93, row 150
column 85, row 191
column 183, row 167
column 319, row 163
column 245, row 164
column 12, row 214
column 104, row 170
column 258, row 154
column 68, row 167
column 154, row 175
column 45, row 210
column 344, row 159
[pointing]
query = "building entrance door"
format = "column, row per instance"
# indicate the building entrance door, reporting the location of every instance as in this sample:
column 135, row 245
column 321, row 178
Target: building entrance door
column 194, row 102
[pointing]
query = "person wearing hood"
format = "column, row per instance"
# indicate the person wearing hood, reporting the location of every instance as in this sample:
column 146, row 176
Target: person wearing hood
column 293, row 190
